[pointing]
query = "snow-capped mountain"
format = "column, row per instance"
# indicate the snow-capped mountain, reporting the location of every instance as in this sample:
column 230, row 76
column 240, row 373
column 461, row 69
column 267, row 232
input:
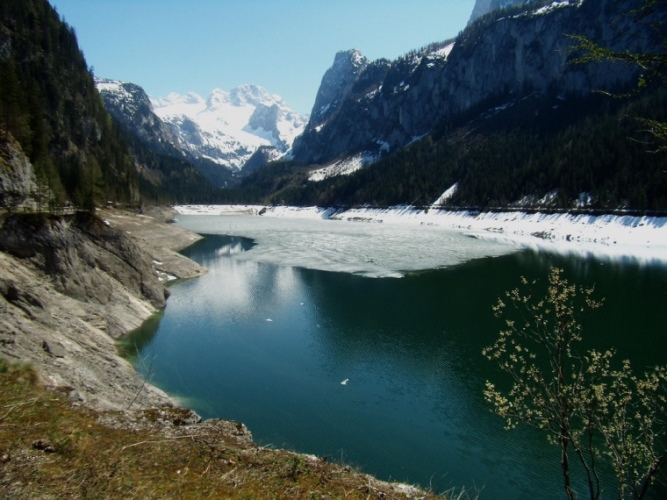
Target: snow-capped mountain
column 228, row 127
column 370, row 108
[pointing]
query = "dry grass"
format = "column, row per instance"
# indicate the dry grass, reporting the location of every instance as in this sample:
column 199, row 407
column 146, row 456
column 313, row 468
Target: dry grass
column 51, row 448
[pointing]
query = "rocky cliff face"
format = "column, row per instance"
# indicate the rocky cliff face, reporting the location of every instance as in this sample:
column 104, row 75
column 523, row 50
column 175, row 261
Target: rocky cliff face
column 483, row 7
column 383, row 106
column 69, row 286
column 130, row 105
column 17, row 176
column 336, row 85
column 84, row 257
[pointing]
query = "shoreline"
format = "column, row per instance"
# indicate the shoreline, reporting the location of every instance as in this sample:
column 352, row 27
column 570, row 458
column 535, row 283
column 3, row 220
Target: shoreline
column 69, row 343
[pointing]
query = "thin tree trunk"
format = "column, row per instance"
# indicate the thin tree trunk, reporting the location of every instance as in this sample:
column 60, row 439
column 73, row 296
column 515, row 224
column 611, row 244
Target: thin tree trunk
column 565, row 464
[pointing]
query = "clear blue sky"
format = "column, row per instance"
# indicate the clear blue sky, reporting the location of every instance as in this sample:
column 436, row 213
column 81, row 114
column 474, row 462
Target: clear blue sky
column 283, row 45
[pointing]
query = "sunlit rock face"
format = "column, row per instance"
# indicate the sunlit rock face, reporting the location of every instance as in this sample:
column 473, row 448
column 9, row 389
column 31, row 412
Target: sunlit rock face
column 336, row 84
column 485, row 6
column 17, row 176
column 130, row 105
column 381, row 106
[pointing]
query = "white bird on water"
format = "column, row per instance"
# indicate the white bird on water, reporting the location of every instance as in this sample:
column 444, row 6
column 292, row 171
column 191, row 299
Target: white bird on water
column 344, row 382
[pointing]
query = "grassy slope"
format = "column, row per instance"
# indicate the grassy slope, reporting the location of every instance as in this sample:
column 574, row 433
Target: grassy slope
column 52, row 448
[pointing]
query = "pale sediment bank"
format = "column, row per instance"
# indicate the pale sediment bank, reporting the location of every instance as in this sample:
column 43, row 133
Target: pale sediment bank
column 160, row 239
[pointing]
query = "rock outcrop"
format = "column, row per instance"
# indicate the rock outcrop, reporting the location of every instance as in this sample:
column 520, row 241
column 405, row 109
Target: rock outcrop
column 70, row 286
column 483, row 7
column 17, row 176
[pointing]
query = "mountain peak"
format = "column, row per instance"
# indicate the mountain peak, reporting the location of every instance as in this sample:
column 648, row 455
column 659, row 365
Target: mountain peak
column 336, row 83
column 483, row 7
column 228, row 127
column 250, row 94
column 174, row 98
column 350, row 57
column 217, row 99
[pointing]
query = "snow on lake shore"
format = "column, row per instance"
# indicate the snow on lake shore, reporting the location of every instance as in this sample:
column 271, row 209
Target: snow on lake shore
column 641, row 238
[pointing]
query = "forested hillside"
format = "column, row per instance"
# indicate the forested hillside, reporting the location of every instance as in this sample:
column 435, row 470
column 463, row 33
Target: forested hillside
column 544, row 151
column 537, row 146
column 51, row 114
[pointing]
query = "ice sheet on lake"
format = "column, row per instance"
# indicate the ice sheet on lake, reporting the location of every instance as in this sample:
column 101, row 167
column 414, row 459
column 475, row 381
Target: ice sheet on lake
column 389, row 242
column 376, row 250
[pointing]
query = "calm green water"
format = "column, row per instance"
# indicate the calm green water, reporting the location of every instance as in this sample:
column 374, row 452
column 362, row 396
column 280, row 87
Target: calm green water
column 270, row 345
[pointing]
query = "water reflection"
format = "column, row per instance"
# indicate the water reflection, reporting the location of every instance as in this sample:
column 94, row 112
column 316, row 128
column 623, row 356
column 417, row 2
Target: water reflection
column 133, row 344
column 269, row 345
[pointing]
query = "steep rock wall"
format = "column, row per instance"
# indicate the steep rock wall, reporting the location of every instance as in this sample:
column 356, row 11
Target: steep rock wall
column 69, row 286
column 17, row 176
column 496, row 59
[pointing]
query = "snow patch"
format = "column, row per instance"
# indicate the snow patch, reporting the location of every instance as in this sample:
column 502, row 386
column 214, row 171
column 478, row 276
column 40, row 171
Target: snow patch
column 219, row 209
column 446, row 196
column 444, row 52
column 346, row 166
column 548, row 9
column 556, row 5
column 548, row 200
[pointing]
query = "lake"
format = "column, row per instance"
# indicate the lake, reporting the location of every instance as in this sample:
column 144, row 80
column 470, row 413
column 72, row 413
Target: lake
column 307, row 335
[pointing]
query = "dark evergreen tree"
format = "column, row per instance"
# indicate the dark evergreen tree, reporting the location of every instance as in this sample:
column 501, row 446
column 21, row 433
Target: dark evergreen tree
column 49, row 104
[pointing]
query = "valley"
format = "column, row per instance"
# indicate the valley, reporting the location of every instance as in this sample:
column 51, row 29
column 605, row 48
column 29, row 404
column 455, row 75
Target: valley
column 327, row 279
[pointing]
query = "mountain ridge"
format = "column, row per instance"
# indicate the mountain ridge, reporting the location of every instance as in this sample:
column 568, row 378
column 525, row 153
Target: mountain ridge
column 386, row 105
column 483, row 7
column 218, row 134
column 228, row 127
column 465, row 112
